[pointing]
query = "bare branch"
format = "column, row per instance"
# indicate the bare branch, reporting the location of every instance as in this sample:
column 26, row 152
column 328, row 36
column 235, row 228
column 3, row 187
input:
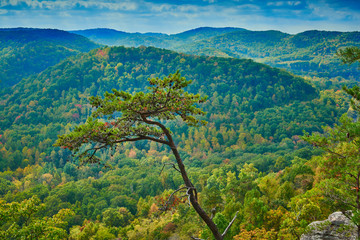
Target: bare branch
column 338, row 198
column 91, row 156
column 351, row 175
column 162, row 169
column 172, row 164
column 230, row 224
column 95, row 149
column 164, row 208
column 213, row 212
column 186, row 195
column 332, row 152
column 189, row 195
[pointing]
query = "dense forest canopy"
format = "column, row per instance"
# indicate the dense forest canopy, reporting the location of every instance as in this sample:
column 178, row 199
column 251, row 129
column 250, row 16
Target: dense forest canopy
column 250, row 158
column 102, row 69
column 247, row 90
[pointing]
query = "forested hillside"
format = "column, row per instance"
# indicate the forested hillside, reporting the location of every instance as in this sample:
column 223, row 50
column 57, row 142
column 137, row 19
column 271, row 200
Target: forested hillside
column 249, row 158
column 25, row 51
column 306, row 53
column 310, row 53
column 237, row 89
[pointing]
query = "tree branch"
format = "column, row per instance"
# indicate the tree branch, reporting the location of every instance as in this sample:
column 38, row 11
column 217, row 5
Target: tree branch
column 165, row 130
column 350, row 174
column 230, row 224
column 189, row 194
column 95, row 149
column 141, row 137
column 172, row 164
column 337, row 198
column 91, row 156
column 332, row 152
column 213, row 212
column 154, row 139
column 164, row 208
column 156, row 111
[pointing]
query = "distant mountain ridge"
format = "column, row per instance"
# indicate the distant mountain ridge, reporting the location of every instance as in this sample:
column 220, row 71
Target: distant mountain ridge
column 113, row 37
column 25, row 51
column 307, row 53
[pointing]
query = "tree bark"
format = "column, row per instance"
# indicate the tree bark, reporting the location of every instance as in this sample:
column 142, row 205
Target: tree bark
column 193, row 198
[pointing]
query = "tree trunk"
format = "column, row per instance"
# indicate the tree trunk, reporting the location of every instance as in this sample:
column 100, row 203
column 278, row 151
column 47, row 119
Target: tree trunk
column 193, row 199
column 191, row 190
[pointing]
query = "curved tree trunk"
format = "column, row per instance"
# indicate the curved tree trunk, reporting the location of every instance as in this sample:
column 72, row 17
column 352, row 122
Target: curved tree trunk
column 193, row 196
column 191, row 190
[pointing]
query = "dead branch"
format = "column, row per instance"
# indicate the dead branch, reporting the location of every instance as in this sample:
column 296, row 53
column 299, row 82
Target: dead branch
column 165, row 206
column 230, row 224
column 172, row 164
column 188, row 194
column 213, row 212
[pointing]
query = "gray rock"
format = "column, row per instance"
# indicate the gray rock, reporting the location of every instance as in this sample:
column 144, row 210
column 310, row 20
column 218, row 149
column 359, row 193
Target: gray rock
column 336, row 227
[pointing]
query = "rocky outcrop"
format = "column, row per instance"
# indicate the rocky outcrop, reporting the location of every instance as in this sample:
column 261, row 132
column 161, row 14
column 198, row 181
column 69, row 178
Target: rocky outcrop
column 336, row 227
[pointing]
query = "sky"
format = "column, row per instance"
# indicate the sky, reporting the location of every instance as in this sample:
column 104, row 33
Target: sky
column 174, row 16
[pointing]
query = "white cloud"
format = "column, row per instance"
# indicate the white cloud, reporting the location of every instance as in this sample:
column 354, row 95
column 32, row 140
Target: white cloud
column 71, row 4
column 323, row 10
column 158, row 7
column 284, row 3
column 209, row 1
column 126, row 6
column 173, row 16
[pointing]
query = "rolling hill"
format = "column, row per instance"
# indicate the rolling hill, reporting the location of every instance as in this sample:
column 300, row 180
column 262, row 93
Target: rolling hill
column 307, row 53
column 244, row 96
column 25, row 51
